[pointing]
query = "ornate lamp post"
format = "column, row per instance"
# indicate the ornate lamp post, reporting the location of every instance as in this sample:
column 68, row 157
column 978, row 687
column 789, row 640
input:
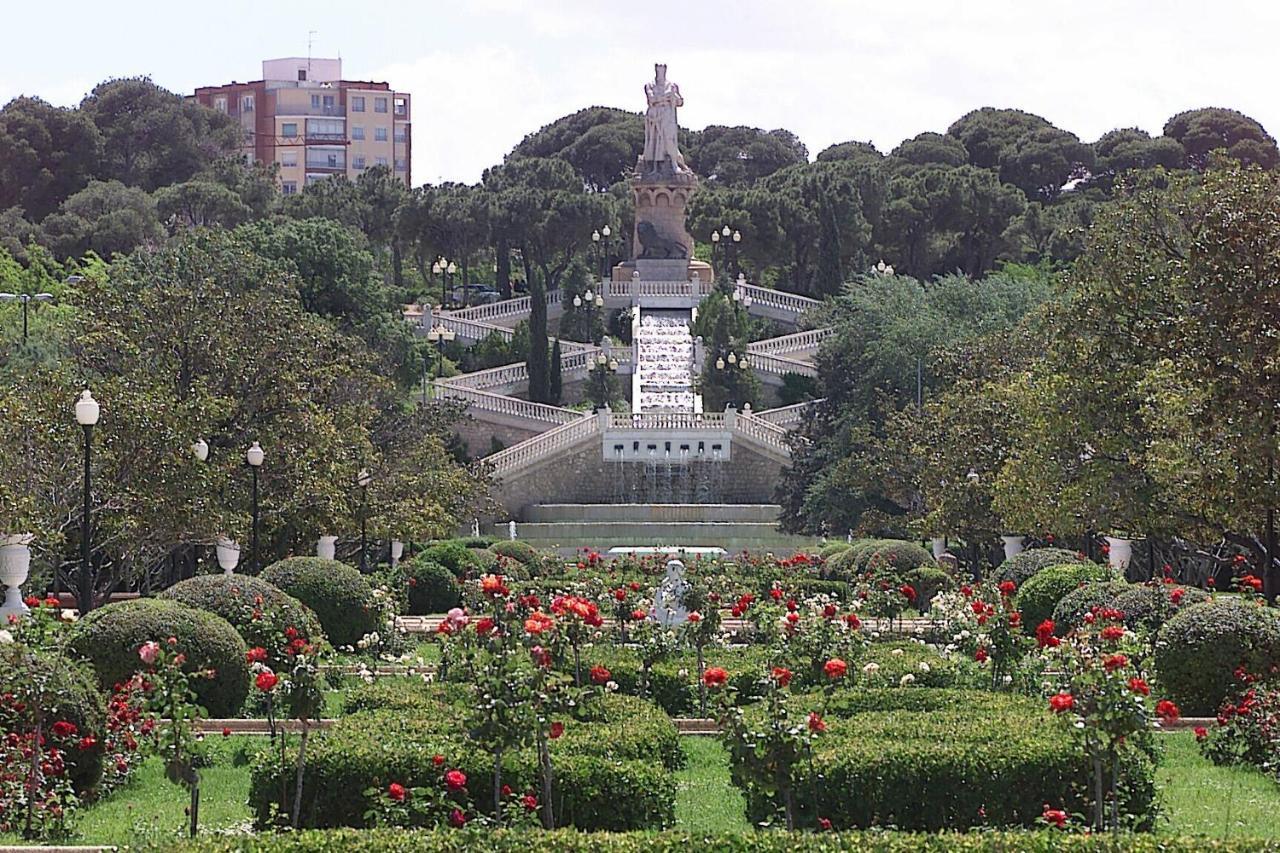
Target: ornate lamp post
column 439, row 334
column 87, row 412
column 254, row 457
column 25, row 299
column 362, row 480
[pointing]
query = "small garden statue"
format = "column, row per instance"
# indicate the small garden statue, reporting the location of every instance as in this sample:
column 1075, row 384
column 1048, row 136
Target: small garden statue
column 668, row 601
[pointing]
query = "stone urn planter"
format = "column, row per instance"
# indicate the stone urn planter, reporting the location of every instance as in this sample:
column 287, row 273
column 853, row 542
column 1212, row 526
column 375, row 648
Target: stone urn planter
column 15, row 564
column 1012, row 545
column 326, row 547
column 939, row 544
column 228, row 554
column 397, row 551
column 1119, row 553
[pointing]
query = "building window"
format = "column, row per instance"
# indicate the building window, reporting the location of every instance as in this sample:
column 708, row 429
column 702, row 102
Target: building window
column 380, row 161
column 315, row 102
column 379, row 105
column 289, row 158
column 357, row 131
column 302, row 75
column 289, row 187
column 326, row 158
column 357, row 162
column 400, row 164
column 402, row 107
column 357, row 103
column 401, row 134
column 246, row 104
column 379, row 134
column 220, row 103
column 289, row 130
column 328, row 105
column 326, row 128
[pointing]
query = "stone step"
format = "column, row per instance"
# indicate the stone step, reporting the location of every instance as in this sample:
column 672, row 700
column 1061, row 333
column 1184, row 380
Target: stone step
column 654, row 513
column 733, row 536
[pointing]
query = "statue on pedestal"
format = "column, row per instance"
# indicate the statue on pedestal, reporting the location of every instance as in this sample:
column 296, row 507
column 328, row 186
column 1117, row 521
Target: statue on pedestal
column 661, row 148
column 668, row 600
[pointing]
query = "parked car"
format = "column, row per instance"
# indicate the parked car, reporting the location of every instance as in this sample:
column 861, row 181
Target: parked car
column 475, row 294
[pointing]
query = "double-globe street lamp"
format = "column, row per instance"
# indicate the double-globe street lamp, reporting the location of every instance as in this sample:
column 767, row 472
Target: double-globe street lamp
column 603, row 240
column 445, row 268
column 439, row 334
column 728, row 239
column 25, row 299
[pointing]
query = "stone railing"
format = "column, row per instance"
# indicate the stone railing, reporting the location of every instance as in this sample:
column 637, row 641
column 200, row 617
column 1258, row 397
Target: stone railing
column 761, row 431
column 789, row 302
column 786, row 416
column 510, row 406
column 493, row 377
column 781, row 365
column 507, row 308
column 791, row 343
column 694, row 288
column 531, row 451
column 669, row 420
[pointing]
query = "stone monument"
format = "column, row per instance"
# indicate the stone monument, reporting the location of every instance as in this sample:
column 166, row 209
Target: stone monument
column 668, row 600
column 662, row 184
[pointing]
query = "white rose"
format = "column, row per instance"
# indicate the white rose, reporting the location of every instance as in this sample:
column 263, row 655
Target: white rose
column 896, row 652
column 906, row 679
column 5, row 637
column 924, row 667
column 871, row 668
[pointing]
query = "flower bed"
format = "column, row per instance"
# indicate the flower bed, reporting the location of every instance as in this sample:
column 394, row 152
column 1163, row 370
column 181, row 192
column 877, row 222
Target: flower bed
column 929, row 759
column 612, row 771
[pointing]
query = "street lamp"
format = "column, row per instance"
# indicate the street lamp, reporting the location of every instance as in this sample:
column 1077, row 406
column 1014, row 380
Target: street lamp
column 439, row 334
column 25, row 299
column 362, row 480
column 254, row 456
column 444, row 268
column 87, row 412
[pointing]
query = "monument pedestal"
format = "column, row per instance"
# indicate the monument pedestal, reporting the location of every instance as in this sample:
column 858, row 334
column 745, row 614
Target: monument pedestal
column 661, row 196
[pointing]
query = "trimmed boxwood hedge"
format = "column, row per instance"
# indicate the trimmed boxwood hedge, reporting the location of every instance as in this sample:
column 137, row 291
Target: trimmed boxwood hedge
column 73, row 696
column 832, row 548
column 109, row 638
column 514, row 549
column 933, row 759
column 235, row 597
column 1021, row 566
column 1198, row 650
column 1042, row 591
column 1071, row 609
column 432, row 587
column 609, row 772
column 1148, row 606
column 340, row 596
column 569, row 841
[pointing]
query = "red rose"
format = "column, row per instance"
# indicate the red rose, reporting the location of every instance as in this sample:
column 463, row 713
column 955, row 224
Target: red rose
column 1201, row 732
column 981, row 655
column 775, row 594
column 620, row 594
column 1167, row 711
column 226, row 731
column 853, row 621
column 493, row 585
column 437, row 760
column 1113, row 662
column 835, row 668
column 639, row 615
column 256, row 655
column 600, row 675
column 829, row 611
column 63, row 728
column 824, row 824
column 397, row 792
column 816, row 723
column 455, row 780
column 484, row 626
column 793, row 618
column 782, row 675
column 530, row 803
column 88, row 742
column 1044, row 634
column 557, row 729
column 715, row 677
column 908, row 592
column 1060, row 702
column 1176, row 595
column 1056, row 817
column 695, row 617
column 266, row 681
column 1008, row 588
column 1111, row 633
column 457, row 819
column 1137, row 685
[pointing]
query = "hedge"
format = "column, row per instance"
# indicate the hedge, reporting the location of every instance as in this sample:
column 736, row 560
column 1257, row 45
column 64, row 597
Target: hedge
column 934, row 759
column 74, row 697
column 928, row 581
column 236, row 597
column 1070, row 611
column 1198, row 650
column 432, row 587
column 1040, row 594
column 453, row 555
column 109, row 638
column 514, row 549
column 1021, row 566
column 569, row 841
column 1149, row 606
column 832, row 548
column 607, row 775
column 339, row 595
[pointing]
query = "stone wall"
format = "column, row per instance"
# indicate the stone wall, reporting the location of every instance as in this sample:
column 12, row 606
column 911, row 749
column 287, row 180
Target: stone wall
column 584, row 477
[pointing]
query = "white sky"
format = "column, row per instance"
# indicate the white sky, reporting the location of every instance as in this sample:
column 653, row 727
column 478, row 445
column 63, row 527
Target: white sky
column 483, row 73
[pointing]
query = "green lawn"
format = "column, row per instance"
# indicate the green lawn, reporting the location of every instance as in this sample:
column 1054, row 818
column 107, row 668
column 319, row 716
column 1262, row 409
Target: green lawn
column 1221, row 802
column 706, row 801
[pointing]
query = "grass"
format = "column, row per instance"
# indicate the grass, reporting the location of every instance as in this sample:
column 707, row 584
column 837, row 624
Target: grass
column 706, row 801
column 1201, row 798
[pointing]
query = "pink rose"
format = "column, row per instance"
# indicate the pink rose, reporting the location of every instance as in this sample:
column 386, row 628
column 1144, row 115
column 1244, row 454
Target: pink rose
column 148, row 651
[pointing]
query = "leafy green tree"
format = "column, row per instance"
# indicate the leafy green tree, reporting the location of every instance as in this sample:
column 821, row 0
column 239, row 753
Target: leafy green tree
column 987, row 133
column 1203, row 131
column 928, row 147
column 47, row 154
column 152, row 137
column 555, row 381
column 201, row 202
column 850, row 151
column 105, row 217
column 601, row 143
column 1040, row 162
column 739, row 156
column 1122, row 150
column 725, row 329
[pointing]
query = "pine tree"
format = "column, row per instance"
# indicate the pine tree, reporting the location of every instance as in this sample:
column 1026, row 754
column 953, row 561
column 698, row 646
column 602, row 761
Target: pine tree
column 829, row 277
column 539, row 374
column 556, row 380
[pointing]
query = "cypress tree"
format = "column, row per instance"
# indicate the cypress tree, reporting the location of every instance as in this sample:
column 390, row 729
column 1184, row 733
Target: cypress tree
column 556, row 381
column 539, row 373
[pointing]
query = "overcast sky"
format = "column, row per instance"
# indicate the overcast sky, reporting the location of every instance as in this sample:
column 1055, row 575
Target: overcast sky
column 483, row 73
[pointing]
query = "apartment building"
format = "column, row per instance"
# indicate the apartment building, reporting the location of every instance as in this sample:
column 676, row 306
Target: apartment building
column 304, row 117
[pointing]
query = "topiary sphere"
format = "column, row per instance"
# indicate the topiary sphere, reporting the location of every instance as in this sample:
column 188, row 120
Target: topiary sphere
column 514, row 549
column 456, row 557
column 832, row 548
column 1199, row 649
column 70, row 694
column 1020, row 567
column 432, row 587
column 1039, row 596
column 1071, row 608
column 338, row 594
column 897, row 554
column 237, row 597
column 109, row 638
column 1149, row 606
column 844, row 565
column 928, row 582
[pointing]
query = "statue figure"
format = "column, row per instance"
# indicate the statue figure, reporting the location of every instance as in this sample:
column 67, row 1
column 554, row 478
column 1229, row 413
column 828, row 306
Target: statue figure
column 661, row 151
column 668, row 601
column 654, row 245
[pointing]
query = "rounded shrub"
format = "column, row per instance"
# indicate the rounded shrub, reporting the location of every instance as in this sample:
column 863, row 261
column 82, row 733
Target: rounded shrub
column 340, row 596
column 71, row 695
column 897, row 554
column 478, row 541
column 260, row 611
column 1199, row 649
column 110, row 636
column 1020, row 567
column 928, row 581
column 432, row 587
column 1038, row 597
column 832, row 548
column 1149, row 606
column 844, row 565
column 464, row 562
column 1071, row 609
column 513, row 549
